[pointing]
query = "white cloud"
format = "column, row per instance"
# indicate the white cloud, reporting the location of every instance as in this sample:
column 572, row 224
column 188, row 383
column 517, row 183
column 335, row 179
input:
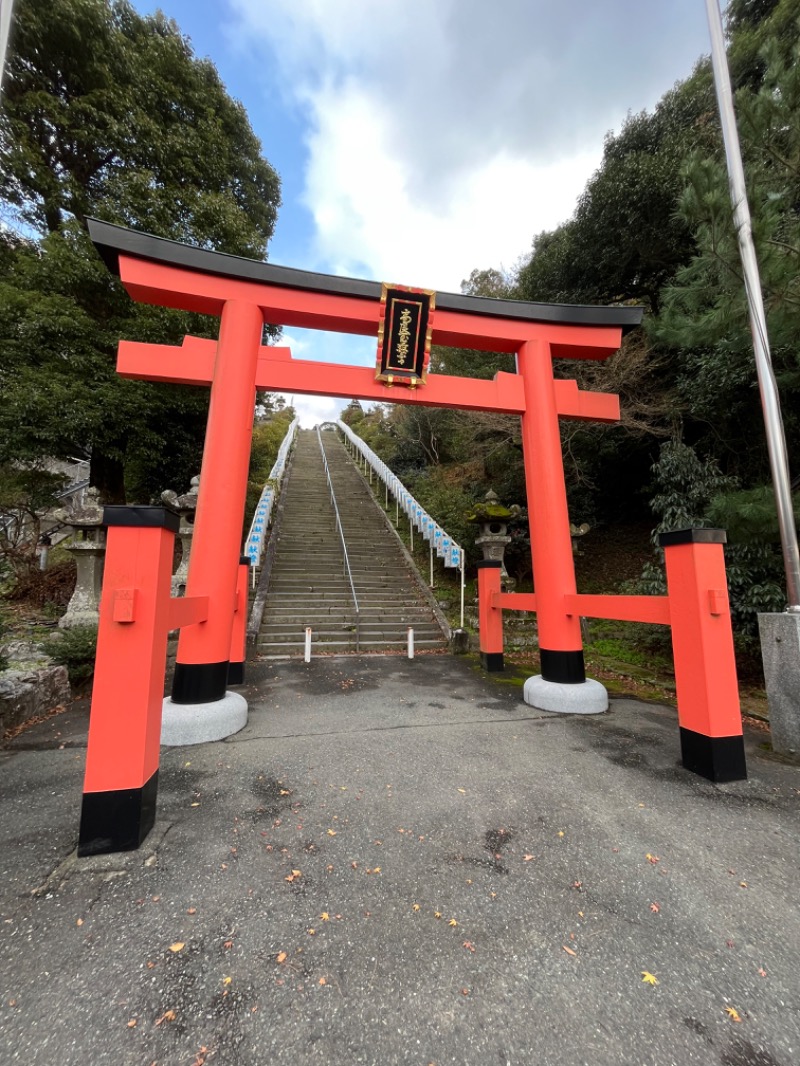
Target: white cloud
column 444, row 134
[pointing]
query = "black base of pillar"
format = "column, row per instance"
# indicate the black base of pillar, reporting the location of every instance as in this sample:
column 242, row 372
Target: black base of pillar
column 117, row 820
column 492, row 661
column 719, row 759
column 563, row 667
column 199, row 682
column 235, row 673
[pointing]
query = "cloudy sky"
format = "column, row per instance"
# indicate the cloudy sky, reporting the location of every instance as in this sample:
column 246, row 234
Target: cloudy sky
column 418, row 141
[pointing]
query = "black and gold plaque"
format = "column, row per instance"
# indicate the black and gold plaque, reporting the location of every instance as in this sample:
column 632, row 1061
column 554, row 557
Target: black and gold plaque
column 404, row 335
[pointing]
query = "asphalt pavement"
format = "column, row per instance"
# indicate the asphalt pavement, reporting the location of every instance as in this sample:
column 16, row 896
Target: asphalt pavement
column 398, row 862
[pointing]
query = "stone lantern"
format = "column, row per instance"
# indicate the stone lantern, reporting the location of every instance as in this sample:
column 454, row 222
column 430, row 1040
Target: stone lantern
column 88, row 549
column 492, row 519
column 186, row 507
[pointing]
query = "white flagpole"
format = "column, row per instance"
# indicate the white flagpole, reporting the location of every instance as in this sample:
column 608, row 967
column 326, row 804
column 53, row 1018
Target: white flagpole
column 770, row 400
column 5, row 27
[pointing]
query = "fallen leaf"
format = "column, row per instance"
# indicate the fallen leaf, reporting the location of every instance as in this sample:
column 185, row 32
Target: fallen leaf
column 655, row 908
column 649, row 978
column 79, row 921
column 415, row 906
column 742, row 884
column 453, row 922
column 331, row 832
column 762, row 972
column 227, row 980
column 652, row 858
column 297, row 873
column 463, row 791
column 325, row 917
column 468, row 945
column 228, row 945
column 322, row 981
column 179, row 945
column 132, row 1023
column 192, row 910
column 312, row 932
column 561, row 832
column 733, row 1014
column 285, row 792
column 464, row 991
column 195, row 804
column 528, row 858
column 167, row 1016
column 437, row 914
column 281, row 956
column 569, row 951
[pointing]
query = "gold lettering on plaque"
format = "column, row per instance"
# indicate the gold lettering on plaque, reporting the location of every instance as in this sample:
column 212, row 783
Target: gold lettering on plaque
column 403, row 336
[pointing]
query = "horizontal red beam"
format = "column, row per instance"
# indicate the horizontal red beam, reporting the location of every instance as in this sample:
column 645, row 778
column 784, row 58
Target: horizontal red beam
column 193, row 364
column 514, row 601
column 621, row 608
column 189, row 290
column 187, row 611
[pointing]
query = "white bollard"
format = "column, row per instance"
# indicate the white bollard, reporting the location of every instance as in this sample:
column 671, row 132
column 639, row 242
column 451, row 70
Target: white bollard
column 410, row 642
column 308, row 644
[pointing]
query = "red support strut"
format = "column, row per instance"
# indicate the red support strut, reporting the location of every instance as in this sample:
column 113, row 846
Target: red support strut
column 709, row 716
column 238, row 652
column 490, row 618
column 121, row 782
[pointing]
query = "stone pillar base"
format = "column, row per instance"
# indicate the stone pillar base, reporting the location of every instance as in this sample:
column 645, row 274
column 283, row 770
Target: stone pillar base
column 780, row 652
column 587, row 697
column 201, row 723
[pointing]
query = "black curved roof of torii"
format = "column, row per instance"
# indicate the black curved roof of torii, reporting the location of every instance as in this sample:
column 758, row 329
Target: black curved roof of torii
column 112, row 241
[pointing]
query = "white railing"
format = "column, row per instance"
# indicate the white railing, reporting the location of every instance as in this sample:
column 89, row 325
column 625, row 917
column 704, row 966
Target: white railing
column 440, row 542
column 257, row 537
column 347, row 569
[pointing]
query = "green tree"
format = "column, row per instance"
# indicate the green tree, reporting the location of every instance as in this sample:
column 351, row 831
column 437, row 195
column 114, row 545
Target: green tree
column 110, row 113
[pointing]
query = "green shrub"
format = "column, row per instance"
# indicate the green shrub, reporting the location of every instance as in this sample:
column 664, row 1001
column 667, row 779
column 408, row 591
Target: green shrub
column 76, row 649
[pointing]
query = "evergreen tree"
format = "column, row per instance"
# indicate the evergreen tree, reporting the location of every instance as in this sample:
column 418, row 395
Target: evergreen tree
column 109, row 113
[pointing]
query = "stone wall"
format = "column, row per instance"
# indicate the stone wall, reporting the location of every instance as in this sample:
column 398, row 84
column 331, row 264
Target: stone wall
column 30, row 687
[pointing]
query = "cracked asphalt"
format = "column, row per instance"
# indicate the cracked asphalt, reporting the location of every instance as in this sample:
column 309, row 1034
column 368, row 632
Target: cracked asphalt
column 400, row 863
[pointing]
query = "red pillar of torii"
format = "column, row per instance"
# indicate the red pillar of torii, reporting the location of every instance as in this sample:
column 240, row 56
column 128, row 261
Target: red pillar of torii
column 245, row 294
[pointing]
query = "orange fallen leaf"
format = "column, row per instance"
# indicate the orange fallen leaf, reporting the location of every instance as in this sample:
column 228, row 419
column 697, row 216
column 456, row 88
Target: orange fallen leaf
column 281, row 956
column 132, row 1023
column 167, row 1016
column 733, row 1014
column 569, row 951
column 179, row 945
column 322, row 981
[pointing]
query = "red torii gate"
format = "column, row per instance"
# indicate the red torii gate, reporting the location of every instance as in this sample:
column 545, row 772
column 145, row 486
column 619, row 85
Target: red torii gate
column 136, row 611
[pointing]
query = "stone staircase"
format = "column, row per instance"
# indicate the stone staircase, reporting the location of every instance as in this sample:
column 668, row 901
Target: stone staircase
column 308, row 582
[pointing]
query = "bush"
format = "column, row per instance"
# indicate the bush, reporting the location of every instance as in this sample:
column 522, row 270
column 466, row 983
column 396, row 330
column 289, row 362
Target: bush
column 76, row 649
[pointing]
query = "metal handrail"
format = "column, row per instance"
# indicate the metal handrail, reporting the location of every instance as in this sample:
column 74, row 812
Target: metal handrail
column 344, row 546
